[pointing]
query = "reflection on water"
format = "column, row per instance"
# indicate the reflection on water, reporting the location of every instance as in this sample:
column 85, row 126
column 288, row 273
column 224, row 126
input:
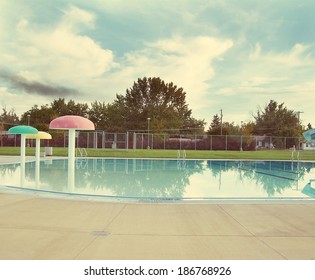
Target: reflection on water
column 163, row 179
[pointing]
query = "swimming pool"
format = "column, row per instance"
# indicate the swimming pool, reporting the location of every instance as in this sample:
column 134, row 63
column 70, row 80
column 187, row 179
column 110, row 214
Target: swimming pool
column 157, row 179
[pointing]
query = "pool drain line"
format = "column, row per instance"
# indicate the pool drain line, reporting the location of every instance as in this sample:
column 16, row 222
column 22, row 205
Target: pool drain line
column 100, row 233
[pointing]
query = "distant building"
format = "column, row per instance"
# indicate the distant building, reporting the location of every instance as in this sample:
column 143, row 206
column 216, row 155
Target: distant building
column 263, row 142
column 308, row 146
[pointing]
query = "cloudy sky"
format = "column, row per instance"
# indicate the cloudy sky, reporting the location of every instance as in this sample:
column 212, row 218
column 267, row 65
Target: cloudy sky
column 225, row 54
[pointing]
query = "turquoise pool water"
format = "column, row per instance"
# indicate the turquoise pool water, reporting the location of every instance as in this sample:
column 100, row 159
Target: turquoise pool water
column 143, row 179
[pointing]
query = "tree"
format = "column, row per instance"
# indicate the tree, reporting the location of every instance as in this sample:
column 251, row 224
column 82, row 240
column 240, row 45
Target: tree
column 59, row 106
column 277, row 120
column 106, row 116
column 309, row 126
column 71, row 108
column 98, row 114
column 78, row 109
column 215, row 126
column 8, row 119
column 228, row 128
column 164, row 103
column 39, row 117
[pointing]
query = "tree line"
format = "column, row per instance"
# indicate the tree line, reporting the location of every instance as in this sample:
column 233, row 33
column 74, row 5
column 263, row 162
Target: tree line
column 161, row 106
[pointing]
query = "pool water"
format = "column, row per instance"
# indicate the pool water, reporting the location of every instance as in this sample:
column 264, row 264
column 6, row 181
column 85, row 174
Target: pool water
column 165, row 179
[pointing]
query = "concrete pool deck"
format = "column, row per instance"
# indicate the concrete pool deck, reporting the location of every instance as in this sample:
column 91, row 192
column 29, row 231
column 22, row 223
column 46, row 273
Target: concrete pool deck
column 38, row 228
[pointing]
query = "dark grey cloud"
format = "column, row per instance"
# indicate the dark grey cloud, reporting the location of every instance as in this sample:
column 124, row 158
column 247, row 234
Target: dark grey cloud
column 20, row 83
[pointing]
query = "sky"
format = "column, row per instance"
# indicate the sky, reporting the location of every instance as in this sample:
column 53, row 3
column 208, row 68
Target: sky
column 225, row 54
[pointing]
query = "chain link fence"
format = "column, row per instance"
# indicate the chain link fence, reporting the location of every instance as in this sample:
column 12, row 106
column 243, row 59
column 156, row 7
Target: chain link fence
column 132, row 140
column 215, row 142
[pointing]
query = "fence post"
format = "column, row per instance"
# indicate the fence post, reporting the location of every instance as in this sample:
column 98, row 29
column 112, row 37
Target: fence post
column 134, row 144
column 127, row 141
column 95, row 140
column 226, row 142
column 164, row 141
column 180, row 142
column 211, row 142
column 115, row 140
column 103, row 139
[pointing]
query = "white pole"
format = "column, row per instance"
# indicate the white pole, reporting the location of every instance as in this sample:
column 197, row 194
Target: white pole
column 148, row 133
column 37, row 164
column 23, row 149
column 71, row 145
column 37, row 149
column 71, row 179
column 71, row 159
column 22, row 152
column 22, row 179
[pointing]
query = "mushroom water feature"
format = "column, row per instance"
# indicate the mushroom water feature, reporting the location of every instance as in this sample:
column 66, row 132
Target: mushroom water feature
column 71, row 123
column 23, row 130
column 41, row 135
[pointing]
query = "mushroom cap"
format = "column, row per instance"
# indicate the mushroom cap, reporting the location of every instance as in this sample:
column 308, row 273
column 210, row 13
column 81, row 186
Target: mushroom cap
column 72, row 122
column 39, row 135
column 22, row 129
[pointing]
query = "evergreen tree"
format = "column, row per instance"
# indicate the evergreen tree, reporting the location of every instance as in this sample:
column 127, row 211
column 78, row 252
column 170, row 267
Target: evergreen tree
column 277, row 120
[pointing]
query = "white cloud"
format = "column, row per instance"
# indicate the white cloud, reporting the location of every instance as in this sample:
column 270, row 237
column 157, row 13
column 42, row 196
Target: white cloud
column 62, row 56
column 282, row 76
column 270, row 73
column 12, row 101
column 76, row 19
column 57, row 55
column 297, row 56
column 187, row 62
column 261, row 81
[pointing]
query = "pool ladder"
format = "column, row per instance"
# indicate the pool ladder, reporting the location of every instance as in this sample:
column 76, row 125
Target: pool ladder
column 178, row 154
column 298, row 155
column 181, row 163
column 82, row 152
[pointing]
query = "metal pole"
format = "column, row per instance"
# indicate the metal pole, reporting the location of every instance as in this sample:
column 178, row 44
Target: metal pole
column 164, row 141
column 148, row 147
column 299, row 113
column 127, row 140
column 241, row 148
column 221, row 121
column 211, row 142
column 103, row 140
column 195, row 142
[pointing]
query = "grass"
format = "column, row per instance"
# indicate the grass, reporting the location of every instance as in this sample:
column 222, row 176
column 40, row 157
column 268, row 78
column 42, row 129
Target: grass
column 264, row 155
